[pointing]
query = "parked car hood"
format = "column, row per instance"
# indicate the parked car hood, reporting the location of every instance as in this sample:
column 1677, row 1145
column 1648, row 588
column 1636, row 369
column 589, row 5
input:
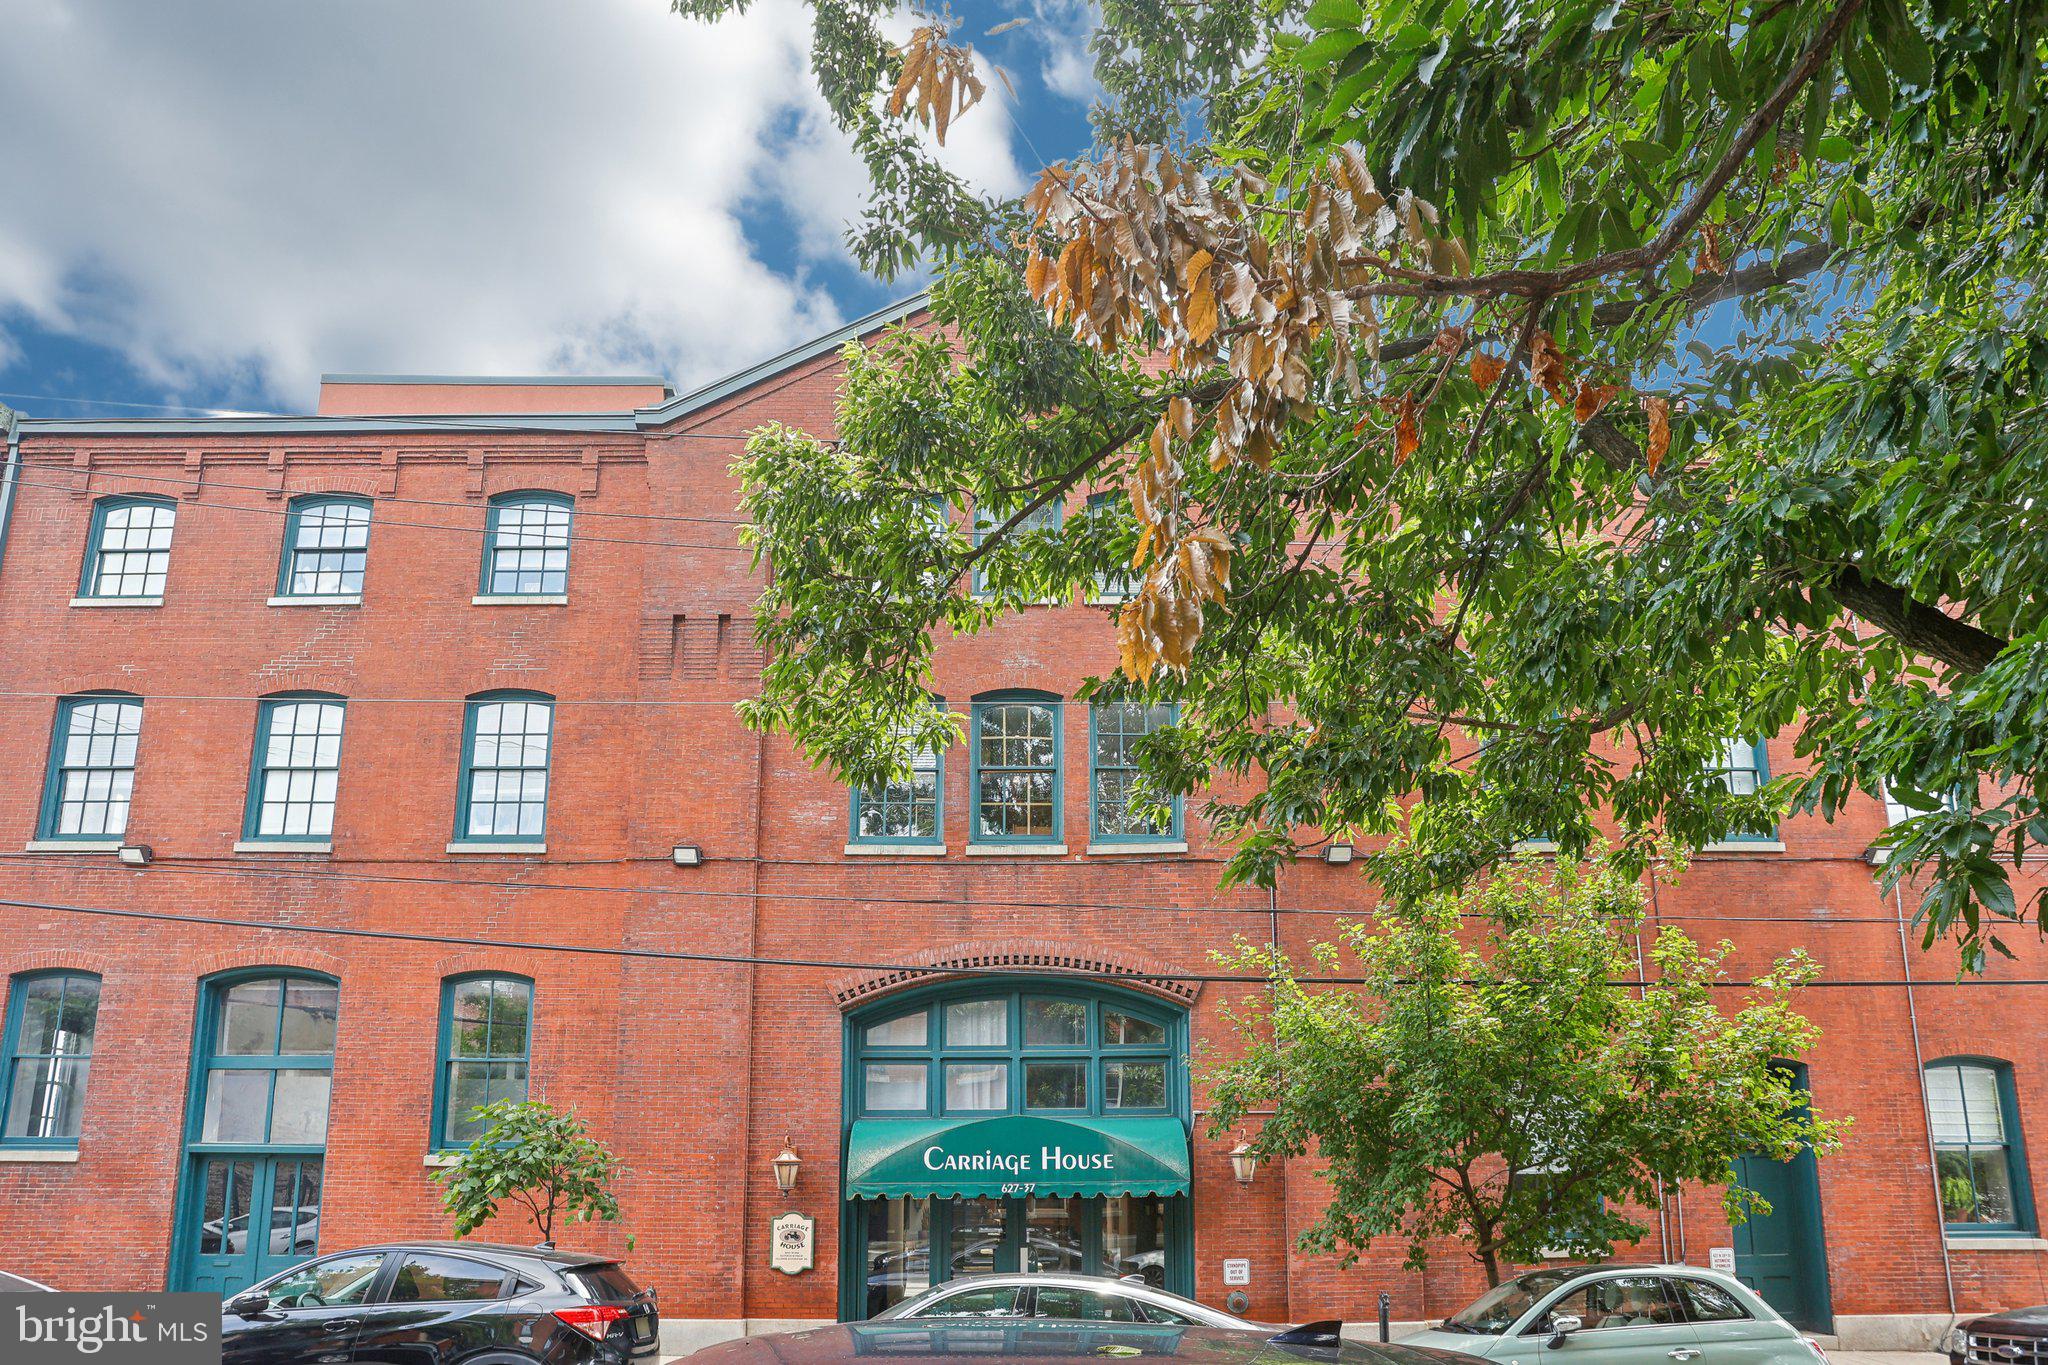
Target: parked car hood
column 1463, row 1343
column 1048, row 1340
column 2032, row 1322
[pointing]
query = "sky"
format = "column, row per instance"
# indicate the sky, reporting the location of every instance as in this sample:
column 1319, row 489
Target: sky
column 206, row 205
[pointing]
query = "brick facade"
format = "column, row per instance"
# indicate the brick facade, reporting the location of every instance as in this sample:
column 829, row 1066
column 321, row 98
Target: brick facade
column 697, row 1071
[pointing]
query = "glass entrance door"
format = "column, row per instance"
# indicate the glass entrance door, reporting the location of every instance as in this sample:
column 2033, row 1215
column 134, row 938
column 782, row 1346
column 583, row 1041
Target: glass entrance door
column 255, row 1216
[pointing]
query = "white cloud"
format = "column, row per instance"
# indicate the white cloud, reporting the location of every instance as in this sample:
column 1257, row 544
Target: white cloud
column 241, row 194
column 1062, row 28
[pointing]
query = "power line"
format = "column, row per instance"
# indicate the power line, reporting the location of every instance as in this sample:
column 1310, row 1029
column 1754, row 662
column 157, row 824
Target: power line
column 276, row 868
column 433, row 526
column 387, row 701
column 836, row 964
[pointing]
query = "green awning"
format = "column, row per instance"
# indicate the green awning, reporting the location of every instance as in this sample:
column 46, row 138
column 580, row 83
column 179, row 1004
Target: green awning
column 1016, row 1154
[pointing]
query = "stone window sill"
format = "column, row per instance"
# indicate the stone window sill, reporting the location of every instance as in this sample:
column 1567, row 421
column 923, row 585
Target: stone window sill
column 1995, row 1241
column 284, row 846
column 1161, row 846
column 345, row 599
column 895, row 850
column 1535, row 846
column 73, row 846
column 520, row 599
column 441, row 1160
column 1745, row 846
column 1016, row 850
column 51, row 1155
column 466, row 846
column 117, row 601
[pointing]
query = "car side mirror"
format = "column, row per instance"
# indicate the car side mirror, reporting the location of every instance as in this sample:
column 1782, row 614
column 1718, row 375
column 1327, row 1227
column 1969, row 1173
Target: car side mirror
column 250, row 1304
column 1562, row 1326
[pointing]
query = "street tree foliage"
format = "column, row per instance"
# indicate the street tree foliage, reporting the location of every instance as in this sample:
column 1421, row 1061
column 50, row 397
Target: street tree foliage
column 1523, row 1093
column 538, row 1157
column 1503, row 405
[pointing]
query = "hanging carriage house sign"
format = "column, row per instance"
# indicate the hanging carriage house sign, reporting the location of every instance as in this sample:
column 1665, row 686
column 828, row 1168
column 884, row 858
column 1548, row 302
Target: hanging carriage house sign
column 792, row 1243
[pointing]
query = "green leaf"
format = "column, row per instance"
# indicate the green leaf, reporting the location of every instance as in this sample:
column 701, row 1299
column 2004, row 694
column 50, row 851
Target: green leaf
column 1325, row 15
column 1327, row 49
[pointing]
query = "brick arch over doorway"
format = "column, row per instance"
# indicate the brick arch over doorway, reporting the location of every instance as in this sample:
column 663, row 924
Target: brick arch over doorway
column 1133, row 970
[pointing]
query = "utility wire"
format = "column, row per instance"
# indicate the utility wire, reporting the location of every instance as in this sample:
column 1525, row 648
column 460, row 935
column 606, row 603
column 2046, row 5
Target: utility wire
column 272, row 869
column 836, row 964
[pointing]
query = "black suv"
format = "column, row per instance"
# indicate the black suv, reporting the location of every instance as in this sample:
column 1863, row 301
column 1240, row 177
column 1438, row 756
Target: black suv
column 429, row 1303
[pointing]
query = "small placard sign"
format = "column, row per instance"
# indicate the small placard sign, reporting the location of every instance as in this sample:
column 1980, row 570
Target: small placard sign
column 1721, row 1259
column 1237, row 1270
column 792, row 1243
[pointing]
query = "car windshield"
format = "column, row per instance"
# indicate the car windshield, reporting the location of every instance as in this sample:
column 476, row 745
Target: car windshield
column 1500, row 1307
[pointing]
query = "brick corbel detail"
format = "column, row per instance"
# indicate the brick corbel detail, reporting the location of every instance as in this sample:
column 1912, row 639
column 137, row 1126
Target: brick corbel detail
column 1026, row 956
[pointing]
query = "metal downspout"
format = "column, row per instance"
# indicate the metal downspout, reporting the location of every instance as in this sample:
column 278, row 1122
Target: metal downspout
column 1948, row 1273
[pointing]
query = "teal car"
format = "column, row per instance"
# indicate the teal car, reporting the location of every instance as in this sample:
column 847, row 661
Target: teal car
column 1623, row 1315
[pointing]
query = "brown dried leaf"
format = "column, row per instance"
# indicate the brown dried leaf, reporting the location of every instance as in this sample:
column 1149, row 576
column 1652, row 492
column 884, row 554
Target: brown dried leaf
column 1037, row 273
column 1407, row 433
column 1659, row 410
column 1708, row 261
column 1546, row 366
column 1486, row 369
column 1449, row 341
column 1590, row 399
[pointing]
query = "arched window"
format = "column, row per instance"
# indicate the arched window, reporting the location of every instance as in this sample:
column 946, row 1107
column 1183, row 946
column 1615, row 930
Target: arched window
column 507, row 742
column 47, row 1054
column 128, row 551
column 486, row 1039
column 296, row 767
column 92, row 767
column 1979, row 1159
column 1015, row 746
column 526, row 545
column 326, row 547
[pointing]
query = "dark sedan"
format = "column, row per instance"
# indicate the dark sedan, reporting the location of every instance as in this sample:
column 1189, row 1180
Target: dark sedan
column 1047, row 1340
column 2018, row 1336
column 430, row 1303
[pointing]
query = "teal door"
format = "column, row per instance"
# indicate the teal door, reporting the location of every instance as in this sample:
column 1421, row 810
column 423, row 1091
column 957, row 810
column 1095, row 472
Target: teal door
column 256, row 1132
column 1783, row 1254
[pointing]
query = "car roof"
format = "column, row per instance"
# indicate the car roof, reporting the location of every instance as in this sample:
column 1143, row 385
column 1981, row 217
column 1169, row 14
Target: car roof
column 553, row 1256
column 947, row 1339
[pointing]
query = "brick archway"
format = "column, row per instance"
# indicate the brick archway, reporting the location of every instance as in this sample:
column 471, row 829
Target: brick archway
column 1017, row 956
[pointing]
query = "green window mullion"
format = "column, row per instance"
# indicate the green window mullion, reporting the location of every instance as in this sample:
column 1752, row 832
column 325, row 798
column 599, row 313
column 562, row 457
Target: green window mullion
column 111, row 738
column 1120, row 715
column 128, row 548
column 51, row 1058
column 527, row 536
column 1007, row 709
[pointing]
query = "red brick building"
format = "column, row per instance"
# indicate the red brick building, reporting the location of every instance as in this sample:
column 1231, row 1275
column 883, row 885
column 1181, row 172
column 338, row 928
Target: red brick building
column 349, row 776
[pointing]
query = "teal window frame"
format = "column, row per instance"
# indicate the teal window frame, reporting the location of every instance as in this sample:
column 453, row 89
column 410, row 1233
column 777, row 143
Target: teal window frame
column 2013, row 1145
column 1046, row 518
column 858, row 796
column 1760, row 764
column 1110, row 590
column 466, row 788
column 11, row 1055
column 446, row 1060
column 259, row 770
column 1018, row 697
column 1173, row 832
column 50, row 816
column 207, row 1059
column 494, row 529
column 1015, row 1052
column 89, row 575
column 294, row 520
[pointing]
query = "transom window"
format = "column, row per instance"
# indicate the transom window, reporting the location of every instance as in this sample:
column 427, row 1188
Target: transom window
column 326, row 546
column 298, row 762
column 51, row 1019
column 1019, row 1051
column 486, row 1034
column 270, row 1063
column 129, row 553
column 1974, row 1118
column 1116, row 727
column 1016, row 752
column 909, row 810
column 92, row 767
column 505, row 771
column 526, row 547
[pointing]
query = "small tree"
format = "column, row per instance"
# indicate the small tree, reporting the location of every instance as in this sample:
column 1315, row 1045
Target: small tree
column 1524, row 1094
column 532, row 1153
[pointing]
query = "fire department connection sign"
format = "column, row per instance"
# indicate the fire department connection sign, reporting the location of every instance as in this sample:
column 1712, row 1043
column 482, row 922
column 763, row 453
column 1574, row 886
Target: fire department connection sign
column 792, row 1243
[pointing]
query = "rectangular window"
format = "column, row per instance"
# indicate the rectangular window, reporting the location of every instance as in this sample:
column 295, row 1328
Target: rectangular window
column 973, row 1087
column 327, row 545
column 505, row 780
column 1017, row 772
column 486, row 1037
column 129, row 553
column 894, row 1087
column 1120, row 585
column 51, row 1019
column 988, row 520
column 1134, row 1085
column 298, row 762
column 1116, row 728
column 92, row 768
column 526, row 548
column 1056, row 1084
column 1975, row 1151
column 1744, row 769
column 906, row 811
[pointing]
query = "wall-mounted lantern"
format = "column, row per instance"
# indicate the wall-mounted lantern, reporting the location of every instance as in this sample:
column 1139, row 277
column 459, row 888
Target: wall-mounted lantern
column 786, row 1165
column 1244, row 1162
